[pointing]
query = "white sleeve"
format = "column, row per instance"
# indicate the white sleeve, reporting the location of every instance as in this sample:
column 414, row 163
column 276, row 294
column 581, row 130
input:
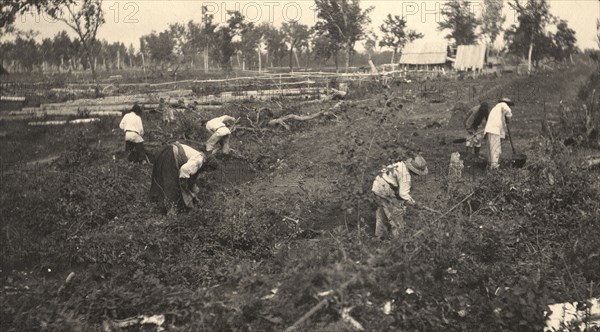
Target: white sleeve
column 122, row 124
column 140, row 124
column 191, row 167
column 404, row 185
column 507, row 112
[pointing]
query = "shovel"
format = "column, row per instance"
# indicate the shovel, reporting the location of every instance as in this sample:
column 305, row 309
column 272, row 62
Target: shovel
column 518, row 159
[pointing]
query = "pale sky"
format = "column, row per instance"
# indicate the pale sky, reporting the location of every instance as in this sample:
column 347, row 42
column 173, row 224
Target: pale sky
column 127, row 21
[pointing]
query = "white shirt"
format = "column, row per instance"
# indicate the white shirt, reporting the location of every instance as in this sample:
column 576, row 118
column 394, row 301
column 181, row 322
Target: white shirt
column 132, row 125
column 398, row 175
column 219, row 122
column 195, row 161
column 495, row 122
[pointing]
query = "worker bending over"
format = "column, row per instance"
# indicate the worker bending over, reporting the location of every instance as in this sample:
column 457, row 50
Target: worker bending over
column 220, row 134
column 174, row 176
column 392, row 190
column 495, row 129
column 473, row 123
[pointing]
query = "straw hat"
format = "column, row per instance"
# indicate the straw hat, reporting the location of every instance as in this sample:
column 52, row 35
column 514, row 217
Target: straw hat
column 418, row 165
column 507, row 101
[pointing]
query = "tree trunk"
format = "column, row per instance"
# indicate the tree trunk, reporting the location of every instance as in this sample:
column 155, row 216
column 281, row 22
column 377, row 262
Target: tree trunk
column 206, row 60
column 259, row 59
column 348, row 49
column 393, row 55
column 529, row 58
column 291, row 60
column 296, row 56
column 337, row 69
column 92, row 61
column 267, row 62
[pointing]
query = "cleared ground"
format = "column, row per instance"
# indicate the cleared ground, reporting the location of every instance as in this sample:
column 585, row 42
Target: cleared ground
column 294, row 218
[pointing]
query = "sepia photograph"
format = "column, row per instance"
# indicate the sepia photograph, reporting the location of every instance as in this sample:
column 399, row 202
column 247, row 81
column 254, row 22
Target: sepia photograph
column 300, row 165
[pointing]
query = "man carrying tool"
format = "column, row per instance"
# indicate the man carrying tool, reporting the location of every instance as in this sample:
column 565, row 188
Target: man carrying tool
column 134, row 130
column 392, row 189
column 495, row 129
column 220, row 134
column 475, row 117
column 174, row 176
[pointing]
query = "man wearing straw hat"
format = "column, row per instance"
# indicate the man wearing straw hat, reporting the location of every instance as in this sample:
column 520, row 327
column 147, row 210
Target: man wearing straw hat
column 495, row 130
column 392, row 190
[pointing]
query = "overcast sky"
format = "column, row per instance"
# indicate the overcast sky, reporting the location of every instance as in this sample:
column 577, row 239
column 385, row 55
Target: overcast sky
column 127, row 20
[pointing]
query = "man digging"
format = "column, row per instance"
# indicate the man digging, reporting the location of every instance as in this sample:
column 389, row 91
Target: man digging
column 174, row 176
column 392, row 190
column 220, row 134
column 495, row 129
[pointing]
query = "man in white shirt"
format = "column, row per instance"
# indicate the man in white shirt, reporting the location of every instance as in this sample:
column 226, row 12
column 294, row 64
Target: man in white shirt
column 220, row 134
column 495, row 130
column 392, row 190
column 134, row 130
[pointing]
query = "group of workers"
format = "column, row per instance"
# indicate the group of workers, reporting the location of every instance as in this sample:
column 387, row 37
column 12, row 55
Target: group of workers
column 177, row 166
column 393, row 183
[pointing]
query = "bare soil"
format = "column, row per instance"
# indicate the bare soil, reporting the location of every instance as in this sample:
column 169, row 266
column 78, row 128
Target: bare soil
column 295, row 215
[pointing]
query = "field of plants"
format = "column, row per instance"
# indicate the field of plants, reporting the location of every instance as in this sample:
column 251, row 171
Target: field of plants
column 283, row 238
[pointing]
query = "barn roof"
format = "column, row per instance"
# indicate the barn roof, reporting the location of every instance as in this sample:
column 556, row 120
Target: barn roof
column 470, row 57
column 422, row 52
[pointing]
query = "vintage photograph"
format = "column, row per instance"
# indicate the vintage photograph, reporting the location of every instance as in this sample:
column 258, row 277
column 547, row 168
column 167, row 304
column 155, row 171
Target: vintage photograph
column 308, row 165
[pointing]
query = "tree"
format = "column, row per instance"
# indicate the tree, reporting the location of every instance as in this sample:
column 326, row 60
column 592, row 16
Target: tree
column 564, row 41
column 459, row 18
column 131, row 56
column 275, row 43
column 529, row 37
column 296, row 36
column 85, row 21
column 325, row 45
column 60, row 52
column 370, row 44
column 249, row 44
column 492, row 19
column 224, row 46
column 343, row 22
column 202, row 36
column 159, row 47
column 9, row 9
column 394, row 35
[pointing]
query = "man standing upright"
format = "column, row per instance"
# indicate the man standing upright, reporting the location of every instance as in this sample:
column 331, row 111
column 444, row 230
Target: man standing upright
column 495, row 129
column 132, row 125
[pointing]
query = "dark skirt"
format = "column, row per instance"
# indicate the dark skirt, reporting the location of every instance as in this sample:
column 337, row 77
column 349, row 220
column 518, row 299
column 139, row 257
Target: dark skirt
column 166, row 188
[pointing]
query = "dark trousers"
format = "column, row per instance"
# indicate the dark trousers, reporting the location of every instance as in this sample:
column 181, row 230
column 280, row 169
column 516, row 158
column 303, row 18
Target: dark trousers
column 137, row 153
